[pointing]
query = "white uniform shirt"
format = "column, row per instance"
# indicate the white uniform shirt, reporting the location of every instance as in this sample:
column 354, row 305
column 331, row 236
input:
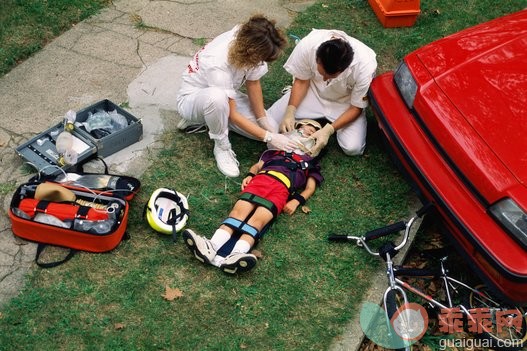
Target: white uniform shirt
column 350, row 87
column 210, row 68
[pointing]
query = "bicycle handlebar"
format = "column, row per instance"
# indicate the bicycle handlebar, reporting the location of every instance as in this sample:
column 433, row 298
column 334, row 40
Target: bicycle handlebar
column 338, row 237
column 423, row 210
column 380, row 232
column 387, row 230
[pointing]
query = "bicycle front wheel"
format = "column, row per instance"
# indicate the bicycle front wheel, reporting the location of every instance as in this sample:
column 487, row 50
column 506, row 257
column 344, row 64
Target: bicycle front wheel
column 509, row 323
column 394, row 302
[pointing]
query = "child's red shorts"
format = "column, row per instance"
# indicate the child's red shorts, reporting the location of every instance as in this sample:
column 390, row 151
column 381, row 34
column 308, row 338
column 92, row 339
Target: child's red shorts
column 270, row 189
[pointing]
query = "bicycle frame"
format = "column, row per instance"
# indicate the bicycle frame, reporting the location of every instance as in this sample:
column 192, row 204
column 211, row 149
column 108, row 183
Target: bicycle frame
column 517, row 335
column 450, row 284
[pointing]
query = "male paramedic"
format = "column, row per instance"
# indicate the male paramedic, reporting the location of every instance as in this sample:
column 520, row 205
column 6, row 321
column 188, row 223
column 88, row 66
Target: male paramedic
column 210, row 89
column 279, row 181
column 332, row 73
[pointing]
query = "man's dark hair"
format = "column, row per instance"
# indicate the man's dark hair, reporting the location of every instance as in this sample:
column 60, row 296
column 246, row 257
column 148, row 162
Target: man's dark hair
column 335, row 55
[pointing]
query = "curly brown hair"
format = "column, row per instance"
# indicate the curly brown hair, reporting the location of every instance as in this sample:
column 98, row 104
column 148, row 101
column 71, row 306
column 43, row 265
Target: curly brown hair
column 257, row 40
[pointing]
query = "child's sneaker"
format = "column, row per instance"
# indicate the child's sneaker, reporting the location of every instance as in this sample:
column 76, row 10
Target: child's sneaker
column 238, row 262
column 199, row 246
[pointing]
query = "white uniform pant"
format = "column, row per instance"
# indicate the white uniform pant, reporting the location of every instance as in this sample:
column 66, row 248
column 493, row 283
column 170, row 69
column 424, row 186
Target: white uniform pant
column 211, row 106
column 351, row 138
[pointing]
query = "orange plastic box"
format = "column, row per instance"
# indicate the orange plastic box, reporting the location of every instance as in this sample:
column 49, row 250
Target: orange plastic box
column 396, row 13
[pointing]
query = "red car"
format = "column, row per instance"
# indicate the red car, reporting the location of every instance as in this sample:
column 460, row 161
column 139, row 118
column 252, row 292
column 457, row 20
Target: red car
column 454, row 113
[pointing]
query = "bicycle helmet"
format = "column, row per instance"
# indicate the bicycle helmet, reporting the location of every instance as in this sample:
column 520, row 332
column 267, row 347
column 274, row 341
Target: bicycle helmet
column 167, row 211
column 307, row 121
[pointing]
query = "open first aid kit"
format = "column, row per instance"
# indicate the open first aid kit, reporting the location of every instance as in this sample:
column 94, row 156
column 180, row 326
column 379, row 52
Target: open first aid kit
column 64, row 206
column 80, row 211
column 98, row 130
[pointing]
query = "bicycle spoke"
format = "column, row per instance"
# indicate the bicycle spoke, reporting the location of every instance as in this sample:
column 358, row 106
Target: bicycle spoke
column 509, row 324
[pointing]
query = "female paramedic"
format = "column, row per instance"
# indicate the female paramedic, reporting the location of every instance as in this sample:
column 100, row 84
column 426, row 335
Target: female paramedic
column 332, row 73
column 210, row 89
column 279, row 181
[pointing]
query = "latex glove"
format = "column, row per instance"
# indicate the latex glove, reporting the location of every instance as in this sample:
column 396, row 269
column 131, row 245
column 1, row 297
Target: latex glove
column 321, row 138
column 279, row 141
column 264, row 123
column 288, row 121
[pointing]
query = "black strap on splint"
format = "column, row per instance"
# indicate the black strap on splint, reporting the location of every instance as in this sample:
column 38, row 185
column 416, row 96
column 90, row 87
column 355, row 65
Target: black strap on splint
column 82, row 211
column 226, row 249
column 260, row 201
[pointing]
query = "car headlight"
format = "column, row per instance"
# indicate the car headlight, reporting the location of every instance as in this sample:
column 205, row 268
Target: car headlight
column 406, row 84
column 512, row 218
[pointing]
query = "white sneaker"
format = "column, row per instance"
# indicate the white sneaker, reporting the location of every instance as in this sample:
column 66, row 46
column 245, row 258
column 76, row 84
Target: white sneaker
column 199, row 246
column 238, row 262
column 226, row 159
column 190, row 127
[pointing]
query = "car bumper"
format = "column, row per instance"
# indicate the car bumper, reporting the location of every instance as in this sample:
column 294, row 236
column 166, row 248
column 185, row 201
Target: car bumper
column 498, row 260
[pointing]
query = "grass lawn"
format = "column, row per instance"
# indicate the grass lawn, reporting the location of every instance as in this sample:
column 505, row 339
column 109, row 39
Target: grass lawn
column 27, row 25
column 303, row 291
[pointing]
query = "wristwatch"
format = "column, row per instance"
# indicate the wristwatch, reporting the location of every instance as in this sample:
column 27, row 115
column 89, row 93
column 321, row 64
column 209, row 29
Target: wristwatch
column 268, row 137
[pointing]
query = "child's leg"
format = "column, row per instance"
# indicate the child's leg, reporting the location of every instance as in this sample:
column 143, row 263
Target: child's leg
column 239, row 259
column 240, row 211
column 206, row 250
column 251, row 227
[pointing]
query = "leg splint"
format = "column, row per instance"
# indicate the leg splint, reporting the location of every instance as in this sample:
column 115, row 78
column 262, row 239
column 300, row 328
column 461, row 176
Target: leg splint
column 241, row 227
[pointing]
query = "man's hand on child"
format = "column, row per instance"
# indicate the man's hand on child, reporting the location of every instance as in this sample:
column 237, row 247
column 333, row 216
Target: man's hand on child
column 302, row 147
column 282, row 142
column 321, row 138
column 288, row 121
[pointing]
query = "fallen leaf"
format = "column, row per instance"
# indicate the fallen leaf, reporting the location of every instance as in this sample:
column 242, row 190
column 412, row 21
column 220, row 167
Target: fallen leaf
column 172, row 293
column 257, row 253
column 426, row 348
column 306, row 209
column 422, row 265
column 243, row 346
column 118, row 326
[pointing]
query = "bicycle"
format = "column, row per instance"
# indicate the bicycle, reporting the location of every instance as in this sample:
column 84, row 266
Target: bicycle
column 504, row 327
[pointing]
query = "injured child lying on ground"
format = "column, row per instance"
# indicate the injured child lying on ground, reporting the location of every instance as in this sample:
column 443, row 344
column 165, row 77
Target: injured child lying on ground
column 279, row 181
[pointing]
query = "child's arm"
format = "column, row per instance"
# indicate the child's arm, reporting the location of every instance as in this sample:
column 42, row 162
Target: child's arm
column 291, row 206
column 257, row 167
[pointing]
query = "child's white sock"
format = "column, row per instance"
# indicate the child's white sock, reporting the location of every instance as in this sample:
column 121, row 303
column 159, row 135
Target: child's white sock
column 241, row 246
column 220, row 237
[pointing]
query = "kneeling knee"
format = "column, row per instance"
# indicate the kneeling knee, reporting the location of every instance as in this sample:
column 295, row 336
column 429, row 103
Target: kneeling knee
column 353, row 149
column 217, row 98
